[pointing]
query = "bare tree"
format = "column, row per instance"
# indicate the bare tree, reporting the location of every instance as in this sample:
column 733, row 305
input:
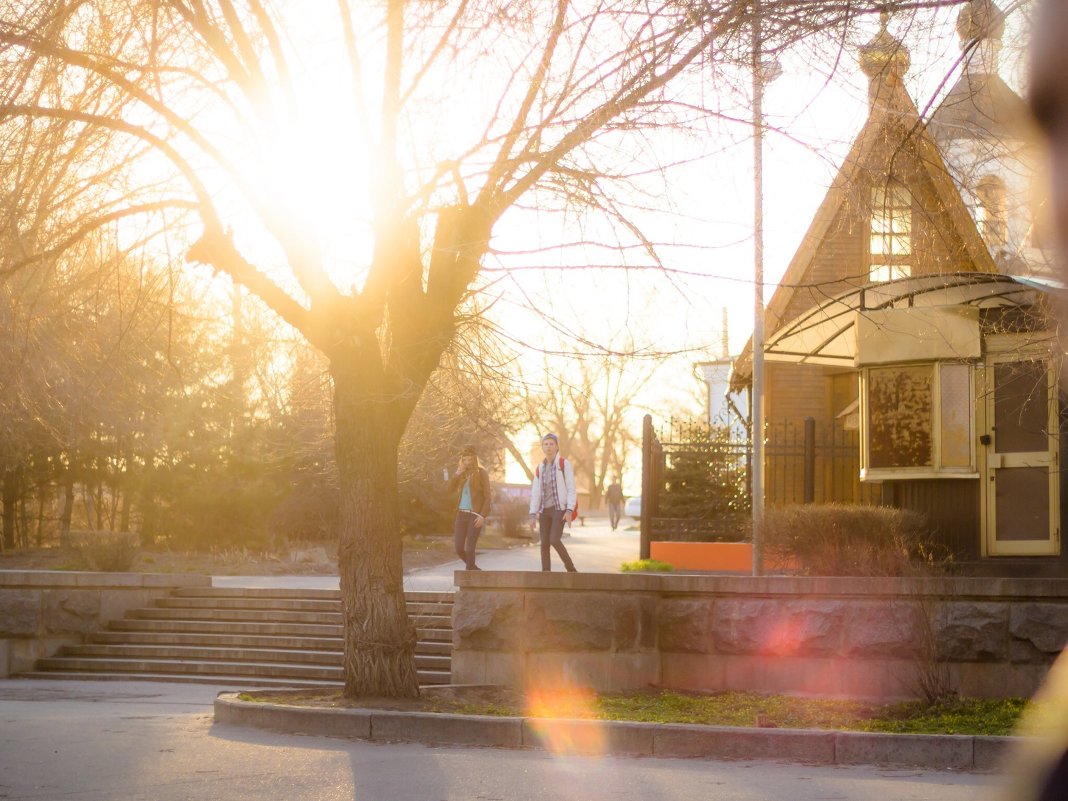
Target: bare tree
column 192, row 98
column 589, row 404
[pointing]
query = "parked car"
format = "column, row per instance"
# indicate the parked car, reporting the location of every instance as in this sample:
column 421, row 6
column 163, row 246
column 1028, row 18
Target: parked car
column 633, row 507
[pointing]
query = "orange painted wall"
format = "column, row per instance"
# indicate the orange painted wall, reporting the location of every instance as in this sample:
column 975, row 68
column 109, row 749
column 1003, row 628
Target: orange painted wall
column 732, row 557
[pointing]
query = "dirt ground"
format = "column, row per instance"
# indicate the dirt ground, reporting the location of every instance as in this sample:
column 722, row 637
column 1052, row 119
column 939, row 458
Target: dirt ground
column 315, row 560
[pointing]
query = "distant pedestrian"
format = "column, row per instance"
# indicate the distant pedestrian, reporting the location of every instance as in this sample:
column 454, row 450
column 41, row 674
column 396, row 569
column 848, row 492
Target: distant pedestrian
column 471, row 486
column 553, row 500
column 614, row 496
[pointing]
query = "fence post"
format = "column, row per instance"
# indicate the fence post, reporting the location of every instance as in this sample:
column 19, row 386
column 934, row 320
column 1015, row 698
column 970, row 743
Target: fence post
column 647, row 485
column 810, row 459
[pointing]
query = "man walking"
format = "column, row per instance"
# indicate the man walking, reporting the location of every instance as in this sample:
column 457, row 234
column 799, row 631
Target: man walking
column 553, row 500
column 614, row 496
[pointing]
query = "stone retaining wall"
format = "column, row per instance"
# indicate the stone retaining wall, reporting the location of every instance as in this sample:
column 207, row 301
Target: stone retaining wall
column 42, row 610
column 866, row 638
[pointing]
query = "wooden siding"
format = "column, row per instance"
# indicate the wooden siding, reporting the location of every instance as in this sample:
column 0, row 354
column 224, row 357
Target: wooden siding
column 951, row 506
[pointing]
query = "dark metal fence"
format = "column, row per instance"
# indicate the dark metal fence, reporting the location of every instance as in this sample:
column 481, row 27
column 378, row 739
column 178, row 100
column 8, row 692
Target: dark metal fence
column 814, row 464
column 802, row 464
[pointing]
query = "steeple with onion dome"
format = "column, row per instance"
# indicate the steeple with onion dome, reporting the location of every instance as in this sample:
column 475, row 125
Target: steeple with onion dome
column 981, row 25
column 885, row 60
column 983, row 129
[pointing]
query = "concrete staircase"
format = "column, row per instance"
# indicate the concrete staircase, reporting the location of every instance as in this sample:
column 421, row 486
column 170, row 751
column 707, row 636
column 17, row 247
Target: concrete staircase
column 249, row 637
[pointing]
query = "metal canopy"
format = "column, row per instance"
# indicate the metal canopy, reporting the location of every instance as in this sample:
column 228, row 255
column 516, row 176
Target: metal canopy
column 827, row 334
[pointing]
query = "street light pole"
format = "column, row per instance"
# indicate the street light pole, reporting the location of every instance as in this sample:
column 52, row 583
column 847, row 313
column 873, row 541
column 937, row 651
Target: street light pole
column 757, row 396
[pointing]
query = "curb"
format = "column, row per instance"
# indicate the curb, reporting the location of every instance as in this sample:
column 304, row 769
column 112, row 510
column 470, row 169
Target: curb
column 622, row 738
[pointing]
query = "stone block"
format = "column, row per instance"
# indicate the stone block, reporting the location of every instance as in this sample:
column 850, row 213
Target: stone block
column 743, row 672
column 878, row 679
column 779, row 627
column 420, row 727
column 997, row 680
column 993, row 753
column 566, row 670
column 24, row 653
column 508, row 669
column 693, row 671
column 940, row 752
column 632, row 671
column 685, row 625
column 808, row 676
column 72, row 611
column 20, row 613
column 484, row 667
column 721, row 742
column 468, row 667
column 893, row 629
column 582, row 622
column 1038, row 631
column 354, row 723
column 971, row 632
column 487, row 621
column 589, row 737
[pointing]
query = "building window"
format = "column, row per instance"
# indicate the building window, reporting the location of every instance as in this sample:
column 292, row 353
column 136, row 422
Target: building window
column 990, row 214
column 918, row 419
column 891, row 233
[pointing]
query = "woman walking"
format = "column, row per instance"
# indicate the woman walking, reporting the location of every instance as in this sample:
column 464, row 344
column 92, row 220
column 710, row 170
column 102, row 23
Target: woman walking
column 471, row 486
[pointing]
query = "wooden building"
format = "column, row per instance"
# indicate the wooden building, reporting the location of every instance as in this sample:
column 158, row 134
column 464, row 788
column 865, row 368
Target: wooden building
column 916, row 315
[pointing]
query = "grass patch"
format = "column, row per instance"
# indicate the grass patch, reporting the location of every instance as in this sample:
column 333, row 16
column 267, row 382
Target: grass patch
column 968, row 716
column 644, row 565
column 963, row 716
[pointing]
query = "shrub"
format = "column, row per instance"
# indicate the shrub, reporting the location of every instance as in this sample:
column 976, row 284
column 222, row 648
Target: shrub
column 513, row 517
column 840, row 540
column 641, row 565
column 106, row 551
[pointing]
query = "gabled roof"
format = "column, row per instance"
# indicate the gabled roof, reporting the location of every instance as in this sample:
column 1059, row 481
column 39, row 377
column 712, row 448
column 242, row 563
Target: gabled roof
column 982, row 106
column 893, row 117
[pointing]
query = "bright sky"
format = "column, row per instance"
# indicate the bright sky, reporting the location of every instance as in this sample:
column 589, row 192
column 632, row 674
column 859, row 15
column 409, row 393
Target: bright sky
column 704, row 219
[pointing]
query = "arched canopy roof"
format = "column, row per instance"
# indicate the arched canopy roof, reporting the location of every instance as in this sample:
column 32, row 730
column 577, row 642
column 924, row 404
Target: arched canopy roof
column 827, row 333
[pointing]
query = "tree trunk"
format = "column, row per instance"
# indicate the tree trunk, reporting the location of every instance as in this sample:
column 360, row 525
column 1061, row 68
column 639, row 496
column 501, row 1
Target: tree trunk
column 10, row 496
column 67, row 510
column 379, row 638
column 39, row 528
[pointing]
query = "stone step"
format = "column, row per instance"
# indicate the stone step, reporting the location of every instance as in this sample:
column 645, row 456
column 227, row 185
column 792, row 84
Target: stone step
column 264, row 604
column 430, row 609
column 249, row 637
column 210, row 669
column 281, row 629
column 244, row 641
column 416, row 596
column 245, row 682
column 229, row 654
column 269, row 616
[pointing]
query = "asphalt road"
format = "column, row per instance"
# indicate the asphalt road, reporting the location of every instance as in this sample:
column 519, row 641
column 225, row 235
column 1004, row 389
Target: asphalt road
column 119, row 741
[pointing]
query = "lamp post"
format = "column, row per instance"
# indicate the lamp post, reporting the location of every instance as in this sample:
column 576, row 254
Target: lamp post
column 764, row 72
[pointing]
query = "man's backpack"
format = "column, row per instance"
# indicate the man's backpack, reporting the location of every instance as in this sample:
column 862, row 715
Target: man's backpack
column 574, row 512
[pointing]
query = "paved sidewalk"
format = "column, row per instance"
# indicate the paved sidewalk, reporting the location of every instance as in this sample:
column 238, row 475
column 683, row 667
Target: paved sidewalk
column 149, row 741
column 595, row 548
